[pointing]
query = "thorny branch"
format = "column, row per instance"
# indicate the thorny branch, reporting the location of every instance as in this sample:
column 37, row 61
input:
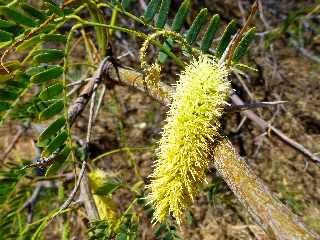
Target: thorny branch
column 266, row 126
column 266, row 210
column 74, row 111
column 79, row 104
column 246, row 106
column 134, row 79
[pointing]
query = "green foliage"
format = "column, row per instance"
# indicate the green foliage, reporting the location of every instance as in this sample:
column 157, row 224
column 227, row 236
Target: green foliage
column 151, row 10
column 196, row 26
column 52, row 129
column 53, row 109
column 163, row 13
column 59, row 161
column 46, row 75
column 17, row 17
column 209, row 34
column 51, row 92
column 54, row 38
column 175, row 27
column 28, row 44
column 33, row 12
column 242, row 47
column 5, row 36
column 47, row 55
column 103, row 230
column 125, row 4
column 226, row 38
column 33, row 90
column 56, row 143
column 108, row 187
column 180, row 16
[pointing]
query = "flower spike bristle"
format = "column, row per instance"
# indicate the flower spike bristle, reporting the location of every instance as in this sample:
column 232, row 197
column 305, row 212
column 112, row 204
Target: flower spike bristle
column 192, row 125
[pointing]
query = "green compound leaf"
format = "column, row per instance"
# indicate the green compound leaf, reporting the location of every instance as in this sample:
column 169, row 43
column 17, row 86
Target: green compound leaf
column 176, row 27
column 6, row 24
column 61, row 158
column 52, row 110
column 226, row 38
column 151, row 10
column 5, row 36
column 48, row 50
column 51, row 92
column 17, row 17
column 15, row 86
column 32, row 11
column 163, row 13
column 53, row 7
column 56, row 143
column 47, row 75
column 209, row 34
column 196, row 26
column 242, row 47
column 181, row 16
column 38, row 69
column 48, row 55
column 4, row 106
column 51, row 130
column 55, row 38
column 6, row 95
column 11, row 65
column 27, row 44
column 125, row 4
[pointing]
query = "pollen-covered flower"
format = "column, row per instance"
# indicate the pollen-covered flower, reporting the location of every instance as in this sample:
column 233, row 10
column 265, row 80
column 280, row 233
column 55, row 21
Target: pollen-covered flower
column 192, row 125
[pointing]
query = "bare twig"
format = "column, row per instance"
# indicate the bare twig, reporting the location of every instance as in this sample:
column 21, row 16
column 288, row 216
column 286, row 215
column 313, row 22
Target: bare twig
column 74, row 112
column 102, row 93
column 79, row 82
column 265, row 126
column 72, row 194
column 261, row 15
column 32, row 199
column 243, row 17
column 246, row 106
column 14, row 141
column 87, row 92
column 305, row 52
column 88, row 200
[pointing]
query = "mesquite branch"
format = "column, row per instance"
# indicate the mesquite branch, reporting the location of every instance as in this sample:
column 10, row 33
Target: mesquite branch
column 135, row 80
column 266, row 210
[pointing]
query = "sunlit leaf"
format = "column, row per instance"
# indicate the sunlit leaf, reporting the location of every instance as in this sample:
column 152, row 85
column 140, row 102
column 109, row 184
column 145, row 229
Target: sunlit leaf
column 52, row 129
column 56, row 143
column 52, row 110
column 47, row 75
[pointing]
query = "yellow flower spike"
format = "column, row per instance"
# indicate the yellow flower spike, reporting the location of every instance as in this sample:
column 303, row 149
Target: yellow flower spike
column 192, row 126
